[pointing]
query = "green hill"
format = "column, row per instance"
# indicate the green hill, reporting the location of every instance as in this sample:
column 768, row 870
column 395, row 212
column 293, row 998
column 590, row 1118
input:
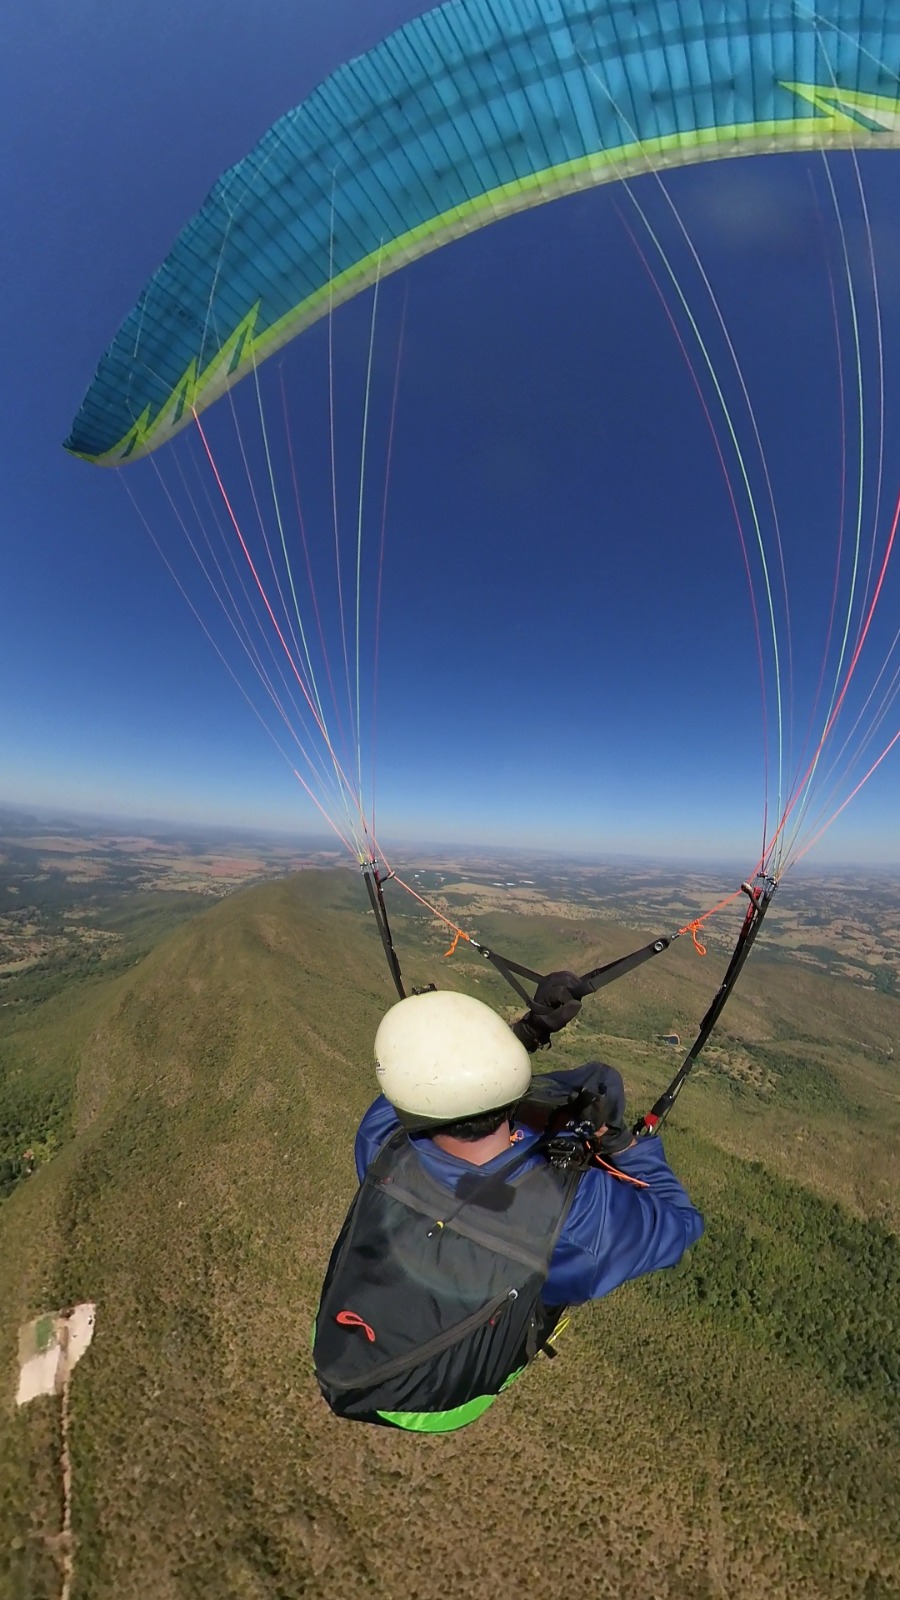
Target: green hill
column 727, row 1430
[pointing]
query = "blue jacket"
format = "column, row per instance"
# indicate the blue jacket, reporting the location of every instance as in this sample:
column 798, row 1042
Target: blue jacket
column 614, row 1230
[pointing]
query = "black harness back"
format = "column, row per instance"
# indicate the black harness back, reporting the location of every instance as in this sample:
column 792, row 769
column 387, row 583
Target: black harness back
column 433, row 1298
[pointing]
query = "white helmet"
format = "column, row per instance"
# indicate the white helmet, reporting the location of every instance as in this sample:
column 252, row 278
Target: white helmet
column 441, row 1057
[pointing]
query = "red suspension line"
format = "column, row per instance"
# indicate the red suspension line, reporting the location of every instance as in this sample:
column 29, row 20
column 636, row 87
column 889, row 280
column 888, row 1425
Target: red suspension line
column 841, row 697
column 306, row 695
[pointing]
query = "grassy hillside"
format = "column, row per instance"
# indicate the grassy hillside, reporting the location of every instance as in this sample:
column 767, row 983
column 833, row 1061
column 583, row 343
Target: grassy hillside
column 727, row 1430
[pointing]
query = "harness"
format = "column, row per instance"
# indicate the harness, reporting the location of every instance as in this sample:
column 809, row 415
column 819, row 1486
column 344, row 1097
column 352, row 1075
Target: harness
column 432, row 1299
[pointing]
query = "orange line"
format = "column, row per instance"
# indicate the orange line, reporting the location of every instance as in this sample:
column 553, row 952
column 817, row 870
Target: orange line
column 459, row 932
column 624, row 1177
column 691, row 927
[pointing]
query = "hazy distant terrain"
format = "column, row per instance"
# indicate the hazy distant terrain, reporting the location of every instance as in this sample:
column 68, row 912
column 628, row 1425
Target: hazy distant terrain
column 67, row 889
column 187, row 1068
column 847, row 922
column 73, row 896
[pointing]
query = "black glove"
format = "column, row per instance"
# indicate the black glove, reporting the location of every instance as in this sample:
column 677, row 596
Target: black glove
column 556, row 1001
column 614, row 1141
column 599, row 1102
column 604, row 1083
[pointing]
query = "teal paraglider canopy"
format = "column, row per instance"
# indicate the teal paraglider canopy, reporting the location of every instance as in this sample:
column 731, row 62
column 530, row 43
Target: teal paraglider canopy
column 469, row 113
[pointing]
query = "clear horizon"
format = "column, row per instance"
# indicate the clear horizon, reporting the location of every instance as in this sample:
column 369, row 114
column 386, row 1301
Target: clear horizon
column 289, row 835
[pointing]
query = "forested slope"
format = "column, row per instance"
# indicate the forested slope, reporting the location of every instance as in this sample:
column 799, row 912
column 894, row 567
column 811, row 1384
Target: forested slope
column 727, row 1430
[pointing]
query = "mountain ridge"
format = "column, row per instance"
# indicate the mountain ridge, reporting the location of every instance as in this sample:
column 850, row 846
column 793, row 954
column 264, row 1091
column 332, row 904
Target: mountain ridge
column 220, row 1081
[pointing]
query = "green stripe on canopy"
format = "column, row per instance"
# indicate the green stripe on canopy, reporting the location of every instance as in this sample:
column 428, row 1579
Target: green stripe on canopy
column 471, row 112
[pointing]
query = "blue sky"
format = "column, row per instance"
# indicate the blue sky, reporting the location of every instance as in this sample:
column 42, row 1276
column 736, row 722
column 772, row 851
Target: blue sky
column 567, row 651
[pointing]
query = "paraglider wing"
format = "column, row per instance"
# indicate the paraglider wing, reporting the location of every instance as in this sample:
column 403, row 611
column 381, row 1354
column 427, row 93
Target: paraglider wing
column 471, row 112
